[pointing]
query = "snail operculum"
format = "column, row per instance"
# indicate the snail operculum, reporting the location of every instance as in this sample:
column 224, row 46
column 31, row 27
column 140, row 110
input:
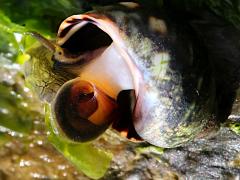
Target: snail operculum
column 153, row 61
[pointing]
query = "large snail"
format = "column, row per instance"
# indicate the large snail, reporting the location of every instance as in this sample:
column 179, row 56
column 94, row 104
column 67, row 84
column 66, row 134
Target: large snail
column 145, row 74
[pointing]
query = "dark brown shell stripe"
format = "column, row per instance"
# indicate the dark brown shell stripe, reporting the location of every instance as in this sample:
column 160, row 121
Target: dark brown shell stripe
column 72, row 22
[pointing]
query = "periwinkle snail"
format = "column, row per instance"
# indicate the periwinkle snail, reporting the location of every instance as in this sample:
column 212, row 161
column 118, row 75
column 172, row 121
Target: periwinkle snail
column 144, row 73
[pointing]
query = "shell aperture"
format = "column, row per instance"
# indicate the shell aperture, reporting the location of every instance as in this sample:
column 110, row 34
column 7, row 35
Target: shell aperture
column 83, row 111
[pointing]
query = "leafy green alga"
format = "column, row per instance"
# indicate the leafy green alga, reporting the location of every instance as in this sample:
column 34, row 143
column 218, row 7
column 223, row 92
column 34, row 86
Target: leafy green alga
column 15, row 116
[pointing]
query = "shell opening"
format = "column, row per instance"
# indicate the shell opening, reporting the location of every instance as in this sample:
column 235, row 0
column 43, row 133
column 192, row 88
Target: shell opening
column 82, row 111
column 87, row 38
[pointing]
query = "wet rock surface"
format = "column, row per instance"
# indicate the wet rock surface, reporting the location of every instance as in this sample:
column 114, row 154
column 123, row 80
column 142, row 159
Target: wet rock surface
column 208, row 159
column 214, row 158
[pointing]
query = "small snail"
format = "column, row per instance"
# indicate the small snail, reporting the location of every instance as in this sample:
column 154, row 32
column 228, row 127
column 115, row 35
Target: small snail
column 145, row 74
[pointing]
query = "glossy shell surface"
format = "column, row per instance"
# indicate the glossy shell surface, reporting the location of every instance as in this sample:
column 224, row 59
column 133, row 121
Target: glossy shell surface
column 171, row 74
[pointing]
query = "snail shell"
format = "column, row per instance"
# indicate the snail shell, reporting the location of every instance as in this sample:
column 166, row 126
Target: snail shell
column 173, row 88
column 153, row 61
